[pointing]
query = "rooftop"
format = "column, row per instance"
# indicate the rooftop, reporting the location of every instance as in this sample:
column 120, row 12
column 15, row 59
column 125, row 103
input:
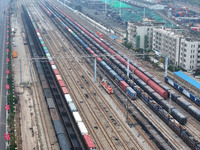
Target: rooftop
column 188, row 79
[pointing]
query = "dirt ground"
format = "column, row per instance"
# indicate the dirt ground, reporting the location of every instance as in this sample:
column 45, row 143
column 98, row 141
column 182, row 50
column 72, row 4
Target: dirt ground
column 34, row 131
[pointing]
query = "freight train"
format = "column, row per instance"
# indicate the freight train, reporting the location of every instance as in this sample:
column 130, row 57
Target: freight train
column 173, row 124
column 56, row 121
column 160, row 90
column 195, row 112
column 181, row 89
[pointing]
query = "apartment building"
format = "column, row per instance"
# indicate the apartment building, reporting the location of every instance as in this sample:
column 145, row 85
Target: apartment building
column 190, row 53
column 182, row 49
column 140, row 35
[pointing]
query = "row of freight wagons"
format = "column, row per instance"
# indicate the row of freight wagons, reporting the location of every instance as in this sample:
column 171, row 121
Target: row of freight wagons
column 181, row 89
column 195, row 112
column 68, row 99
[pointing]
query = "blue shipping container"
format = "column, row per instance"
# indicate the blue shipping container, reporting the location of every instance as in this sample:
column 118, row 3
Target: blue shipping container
column 180, row 89
column 118, row 79
column 131, row 92
column 112, row 73
column 72, row 106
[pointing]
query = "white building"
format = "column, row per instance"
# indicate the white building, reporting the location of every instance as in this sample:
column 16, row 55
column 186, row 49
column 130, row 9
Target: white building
column 181, row 49
column 167, row 43
column 141, row 34
column 190, row 53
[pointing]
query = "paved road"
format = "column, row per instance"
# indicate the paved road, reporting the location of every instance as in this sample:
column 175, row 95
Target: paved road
column 3, row 6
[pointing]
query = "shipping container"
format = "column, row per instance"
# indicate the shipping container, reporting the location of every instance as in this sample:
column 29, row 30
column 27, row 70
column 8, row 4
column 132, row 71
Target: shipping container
column 131, row 93
column 65, row 91
column 118, row 79
column 90, row 144
column 61, row 83
column 53, row 67
column 49, row 58
column 77, row 117
column 58, row 77
column 51, row 62
column 48, row 55
column 56, row 72
column 72, row 106
column 68, row 98
column 82, row 128
column 112, row 73
column 123, row 85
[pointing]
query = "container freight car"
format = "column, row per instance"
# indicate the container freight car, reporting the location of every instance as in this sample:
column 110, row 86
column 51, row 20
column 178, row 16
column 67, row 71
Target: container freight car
column 181, row 89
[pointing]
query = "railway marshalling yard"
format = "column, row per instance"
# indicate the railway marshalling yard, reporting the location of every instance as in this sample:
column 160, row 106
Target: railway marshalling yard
column 105, row 116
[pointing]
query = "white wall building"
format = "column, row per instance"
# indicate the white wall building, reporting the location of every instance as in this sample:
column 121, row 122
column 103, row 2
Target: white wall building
column 140, row 35
column 181, row 49
column 190, row 54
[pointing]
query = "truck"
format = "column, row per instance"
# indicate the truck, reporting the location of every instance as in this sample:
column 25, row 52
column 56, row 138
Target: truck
column 14, row 54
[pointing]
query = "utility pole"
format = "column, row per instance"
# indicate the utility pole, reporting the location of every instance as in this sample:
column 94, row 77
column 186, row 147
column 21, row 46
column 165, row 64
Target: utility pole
column 120, row 9
column 20, row 61
column 95, row 69
column 105, row 6
column 128, row 67
column 127, row 109
column 29, row 71
column 166, row 65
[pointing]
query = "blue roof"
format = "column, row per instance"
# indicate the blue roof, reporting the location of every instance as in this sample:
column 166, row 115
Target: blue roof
column 188, row 79
column 113, row 37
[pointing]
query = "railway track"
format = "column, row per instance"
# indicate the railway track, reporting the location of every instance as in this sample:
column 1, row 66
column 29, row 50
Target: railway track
column 45, row 138
column 127, row 134
column 74, row 82
column 192, row 124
